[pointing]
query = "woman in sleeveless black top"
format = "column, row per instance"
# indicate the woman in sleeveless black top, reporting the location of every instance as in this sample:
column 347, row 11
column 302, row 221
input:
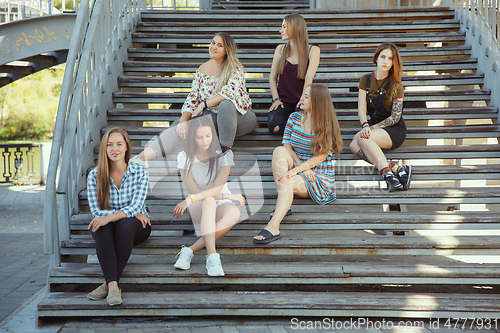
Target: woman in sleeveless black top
column 296, row 63
column 380, row 92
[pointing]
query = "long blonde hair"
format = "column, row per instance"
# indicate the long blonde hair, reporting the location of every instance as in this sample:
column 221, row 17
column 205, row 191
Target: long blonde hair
column 324, row 123
column 396, row 71
column 231, row 63
column 103, row 166
column 296, row 28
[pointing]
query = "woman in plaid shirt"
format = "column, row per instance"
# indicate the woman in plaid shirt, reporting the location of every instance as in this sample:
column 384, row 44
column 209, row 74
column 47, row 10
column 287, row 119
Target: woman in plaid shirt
column 117, row 191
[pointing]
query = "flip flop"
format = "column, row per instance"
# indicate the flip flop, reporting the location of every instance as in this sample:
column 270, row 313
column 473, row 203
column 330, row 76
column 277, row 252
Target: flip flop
column 288, row 213
column 268, row 237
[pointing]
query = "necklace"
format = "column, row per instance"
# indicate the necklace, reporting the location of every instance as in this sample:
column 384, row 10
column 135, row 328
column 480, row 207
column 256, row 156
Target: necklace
column 380, row 90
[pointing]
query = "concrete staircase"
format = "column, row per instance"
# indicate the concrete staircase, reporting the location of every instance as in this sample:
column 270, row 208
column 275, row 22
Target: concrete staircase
column 418, row 253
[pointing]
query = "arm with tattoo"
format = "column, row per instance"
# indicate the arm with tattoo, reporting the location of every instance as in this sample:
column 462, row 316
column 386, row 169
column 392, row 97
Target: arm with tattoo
column 397, row 110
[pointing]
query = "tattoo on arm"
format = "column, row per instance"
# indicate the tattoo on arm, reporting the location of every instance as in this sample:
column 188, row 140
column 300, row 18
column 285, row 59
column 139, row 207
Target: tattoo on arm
column 397, row 110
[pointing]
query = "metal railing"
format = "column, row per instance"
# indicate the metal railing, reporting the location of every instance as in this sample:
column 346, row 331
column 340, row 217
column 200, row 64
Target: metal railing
column 336, row 4
column 98, row 47
column 19, row 162
column 480, row 19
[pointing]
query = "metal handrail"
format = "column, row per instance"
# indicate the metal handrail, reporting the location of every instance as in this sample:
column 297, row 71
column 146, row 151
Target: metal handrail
column 98, row 47
column 481, row 22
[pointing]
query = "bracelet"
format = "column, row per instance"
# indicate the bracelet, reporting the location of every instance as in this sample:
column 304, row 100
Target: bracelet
column 205, row 101
column 275, row 99
column 365, row 123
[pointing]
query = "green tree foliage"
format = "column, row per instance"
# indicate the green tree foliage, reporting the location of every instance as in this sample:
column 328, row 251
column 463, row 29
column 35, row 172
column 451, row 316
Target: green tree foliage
column 28, row 106
column 68, row 3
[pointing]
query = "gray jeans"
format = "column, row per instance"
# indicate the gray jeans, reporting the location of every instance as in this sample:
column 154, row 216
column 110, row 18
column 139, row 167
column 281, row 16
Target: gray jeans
column 228, row 121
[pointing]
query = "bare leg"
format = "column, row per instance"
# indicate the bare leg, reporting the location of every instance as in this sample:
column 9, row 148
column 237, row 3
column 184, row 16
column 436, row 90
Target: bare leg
column 227, row 215
column 287, row 187
column 372, row 147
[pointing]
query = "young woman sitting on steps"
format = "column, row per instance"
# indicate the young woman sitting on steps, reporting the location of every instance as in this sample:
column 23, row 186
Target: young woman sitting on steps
column 205, row 170
column 303, row 166
column 218, row 90
column 296, row 63
column 117, row 193
column 379, row 92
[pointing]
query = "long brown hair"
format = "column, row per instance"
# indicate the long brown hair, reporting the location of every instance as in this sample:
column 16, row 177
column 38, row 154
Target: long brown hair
column 231, row 63
column 103, row 166
column 296, row 29
column 396, row 71
column 324, row 123
column 214, row 151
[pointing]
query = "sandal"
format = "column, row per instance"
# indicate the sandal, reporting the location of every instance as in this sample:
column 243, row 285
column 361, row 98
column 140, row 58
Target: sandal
column 268, row 237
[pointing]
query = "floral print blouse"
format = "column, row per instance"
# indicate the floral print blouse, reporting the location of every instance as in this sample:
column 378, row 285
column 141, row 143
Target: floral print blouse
column 203, row 88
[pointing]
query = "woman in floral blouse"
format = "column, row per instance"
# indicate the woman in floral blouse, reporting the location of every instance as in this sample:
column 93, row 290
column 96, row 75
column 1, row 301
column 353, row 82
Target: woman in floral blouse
column 219, row 90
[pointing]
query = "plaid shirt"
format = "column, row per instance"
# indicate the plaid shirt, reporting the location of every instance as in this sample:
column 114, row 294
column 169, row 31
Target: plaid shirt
column 130, row 198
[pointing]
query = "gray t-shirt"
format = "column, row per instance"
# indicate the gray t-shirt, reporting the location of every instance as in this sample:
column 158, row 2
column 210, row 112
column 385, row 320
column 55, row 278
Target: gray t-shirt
column 199, row 170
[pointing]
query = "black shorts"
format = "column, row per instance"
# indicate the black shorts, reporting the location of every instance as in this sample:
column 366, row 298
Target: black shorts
column 397, row 133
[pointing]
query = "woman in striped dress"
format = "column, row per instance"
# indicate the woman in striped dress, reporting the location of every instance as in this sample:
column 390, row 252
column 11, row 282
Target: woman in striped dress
column 304, row 164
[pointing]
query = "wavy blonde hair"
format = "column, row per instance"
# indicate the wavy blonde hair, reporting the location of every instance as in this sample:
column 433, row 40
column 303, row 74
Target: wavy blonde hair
column 324, row 123
column 231, row 63
column 296, row 29
column 103, row 166
column 396, row 71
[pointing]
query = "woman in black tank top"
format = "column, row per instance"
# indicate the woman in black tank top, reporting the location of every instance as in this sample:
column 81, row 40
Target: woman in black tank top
column 296, row 63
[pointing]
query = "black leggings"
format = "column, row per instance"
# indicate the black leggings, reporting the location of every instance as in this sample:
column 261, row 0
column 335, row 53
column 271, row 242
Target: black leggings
column 114, row 243
column 279, row 117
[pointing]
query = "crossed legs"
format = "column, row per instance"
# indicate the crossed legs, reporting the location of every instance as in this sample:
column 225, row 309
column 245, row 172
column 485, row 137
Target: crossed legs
column 207, row 214
column 287, row 188
column 371, row 149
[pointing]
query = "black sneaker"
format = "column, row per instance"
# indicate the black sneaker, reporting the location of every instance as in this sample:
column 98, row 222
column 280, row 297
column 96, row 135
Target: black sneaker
column 403, row 172
column 392, row 182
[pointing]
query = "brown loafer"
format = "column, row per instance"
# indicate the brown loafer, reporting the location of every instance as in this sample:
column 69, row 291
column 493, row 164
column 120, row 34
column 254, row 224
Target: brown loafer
column 99, row 293
column 114, row 297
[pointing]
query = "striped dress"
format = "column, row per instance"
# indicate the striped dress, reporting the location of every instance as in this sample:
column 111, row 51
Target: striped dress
column 322, row 191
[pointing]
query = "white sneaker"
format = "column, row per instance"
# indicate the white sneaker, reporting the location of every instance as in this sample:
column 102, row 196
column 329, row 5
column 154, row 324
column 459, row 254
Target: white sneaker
column 214, row 267
column 185, row 256
column 136, row 159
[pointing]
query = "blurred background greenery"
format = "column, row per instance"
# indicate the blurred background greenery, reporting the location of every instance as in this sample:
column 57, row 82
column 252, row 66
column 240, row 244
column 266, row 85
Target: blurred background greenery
column 28, row 106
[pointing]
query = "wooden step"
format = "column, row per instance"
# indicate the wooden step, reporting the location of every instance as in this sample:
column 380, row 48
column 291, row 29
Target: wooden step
column 305, row 219
column 299, row 243
column 301, row 304
column 285, row 273
column 444, row 66
column 323, row 39
column 131, row 81
column 402, row 153
column 352, row 97
column 172, row 114
column 242, row 5
column 327, row 54
column 258, row 194
column 349, row 15
column 425, row 132
column 312, row 27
